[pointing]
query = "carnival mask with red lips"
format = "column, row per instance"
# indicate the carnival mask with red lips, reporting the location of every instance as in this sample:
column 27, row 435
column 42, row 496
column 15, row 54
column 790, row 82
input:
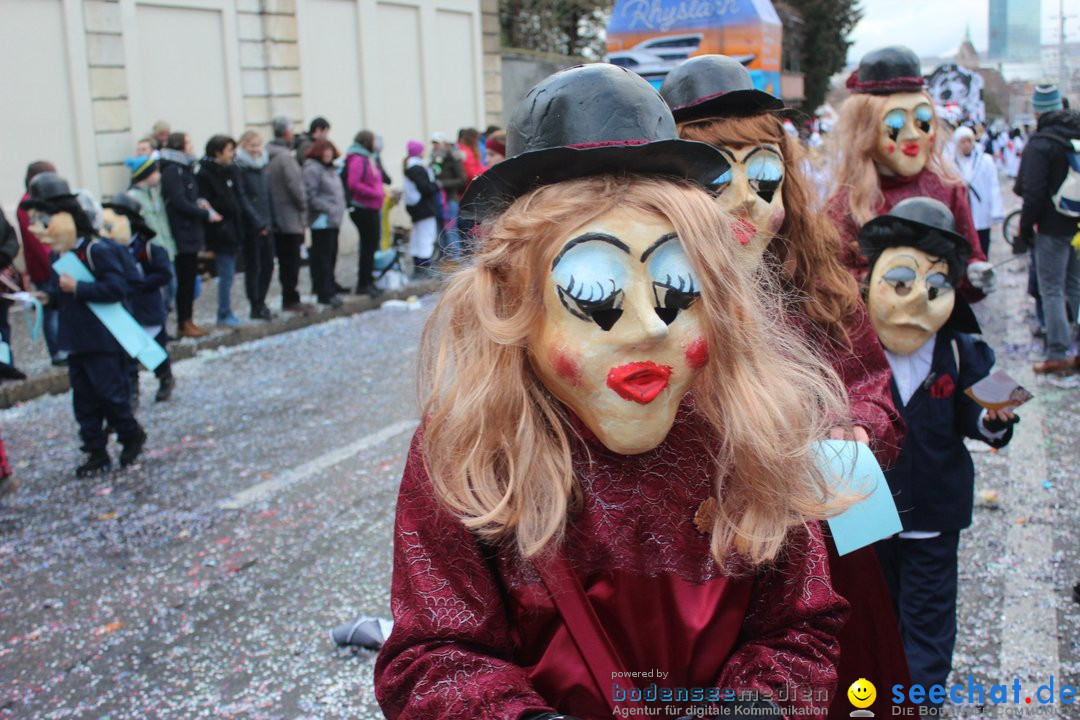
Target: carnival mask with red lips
column 752, row 190
column 906, row 134
column 622, row 338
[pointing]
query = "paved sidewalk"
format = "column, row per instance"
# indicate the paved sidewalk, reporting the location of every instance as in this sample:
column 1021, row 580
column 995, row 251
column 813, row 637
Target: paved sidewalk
column 32, row 357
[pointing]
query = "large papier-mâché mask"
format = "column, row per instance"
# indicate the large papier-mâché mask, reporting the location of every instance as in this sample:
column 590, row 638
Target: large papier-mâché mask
column 55, row 230
column 116, row 226
column 909, row 298
column 622, row 337
column 753, row 190
column 906, row 134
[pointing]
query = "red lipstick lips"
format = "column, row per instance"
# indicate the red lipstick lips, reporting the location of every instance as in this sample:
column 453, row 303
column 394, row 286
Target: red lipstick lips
column 911, row 149
column 640, row 381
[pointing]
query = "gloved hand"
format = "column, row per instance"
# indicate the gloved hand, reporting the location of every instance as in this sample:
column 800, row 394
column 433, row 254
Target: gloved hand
column 982, row 276
column 998, row 424
column 1022, row 243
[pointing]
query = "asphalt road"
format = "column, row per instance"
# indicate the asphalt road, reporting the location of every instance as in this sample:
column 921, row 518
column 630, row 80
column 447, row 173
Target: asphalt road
column 203, row 582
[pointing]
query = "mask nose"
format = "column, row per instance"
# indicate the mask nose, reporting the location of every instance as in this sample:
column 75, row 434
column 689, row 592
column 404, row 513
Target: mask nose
column 640, row 323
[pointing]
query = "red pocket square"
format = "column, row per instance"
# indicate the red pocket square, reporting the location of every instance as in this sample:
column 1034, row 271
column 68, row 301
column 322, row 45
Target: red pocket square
column 943, row 388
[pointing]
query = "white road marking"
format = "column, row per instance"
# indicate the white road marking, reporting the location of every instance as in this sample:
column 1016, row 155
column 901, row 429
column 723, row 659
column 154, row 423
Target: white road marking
column 264, row 489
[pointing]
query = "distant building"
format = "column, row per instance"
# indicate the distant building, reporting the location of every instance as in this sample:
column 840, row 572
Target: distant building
column 1015, row 30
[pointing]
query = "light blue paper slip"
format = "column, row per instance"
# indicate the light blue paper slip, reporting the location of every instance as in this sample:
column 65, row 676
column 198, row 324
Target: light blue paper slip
column 851, row 467
column 115, row 317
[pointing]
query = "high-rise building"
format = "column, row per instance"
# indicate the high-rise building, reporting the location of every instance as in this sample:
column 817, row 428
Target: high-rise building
column 1015, row 30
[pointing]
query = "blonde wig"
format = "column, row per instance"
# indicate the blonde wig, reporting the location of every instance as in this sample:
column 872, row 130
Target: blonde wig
column 852, row 146
column 497, row 445
column 807, row 244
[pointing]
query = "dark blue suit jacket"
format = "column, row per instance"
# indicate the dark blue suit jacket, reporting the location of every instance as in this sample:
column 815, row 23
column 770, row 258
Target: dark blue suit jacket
column 80, row 330
column 933, row 481
column 154, row 272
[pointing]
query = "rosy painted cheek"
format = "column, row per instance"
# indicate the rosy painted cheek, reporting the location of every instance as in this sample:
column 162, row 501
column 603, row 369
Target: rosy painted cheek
column 743, row 231
column 697, row 354
column 776, row 219
column 890, row 148
column 566, row 367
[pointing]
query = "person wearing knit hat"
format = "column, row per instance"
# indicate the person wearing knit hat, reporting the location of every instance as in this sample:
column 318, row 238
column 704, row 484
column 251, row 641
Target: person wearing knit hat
column 420, row 193
column 146, row 189
column 1043, row 169
column 1045, row 99
column 980, row 174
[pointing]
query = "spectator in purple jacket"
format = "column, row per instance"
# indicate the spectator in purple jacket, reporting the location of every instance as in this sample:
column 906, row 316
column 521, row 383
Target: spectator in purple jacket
column 365, row 182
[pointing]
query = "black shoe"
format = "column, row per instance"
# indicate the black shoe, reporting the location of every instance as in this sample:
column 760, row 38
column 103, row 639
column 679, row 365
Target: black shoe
column 132, row 447
column 8, row 485
column 10, row 372
column 261, row 313
column 340, row 289
column 334, row 302
column 371, row 291
column 165, row 388
column 98, row 462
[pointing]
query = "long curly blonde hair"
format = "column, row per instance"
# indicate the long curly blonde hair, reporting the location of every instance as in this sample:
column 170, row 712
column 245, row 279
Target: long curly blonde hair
column 852, row 144
column 498, row 446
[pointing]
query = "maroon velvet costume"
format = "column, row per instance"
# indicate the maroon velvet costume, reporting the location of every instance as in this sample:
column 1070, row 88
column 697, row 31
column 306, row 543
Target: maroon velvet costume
column 895, row 189
column 476, row 635
column 865, row 374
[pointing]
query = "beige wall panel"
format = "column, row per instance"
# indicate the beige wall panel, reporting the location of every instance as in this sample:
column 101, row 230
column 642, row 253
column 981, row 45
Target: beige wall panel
column 399, row 113
column 38, row 122
column 330, row 66
column 453, row 91
column 183, row 72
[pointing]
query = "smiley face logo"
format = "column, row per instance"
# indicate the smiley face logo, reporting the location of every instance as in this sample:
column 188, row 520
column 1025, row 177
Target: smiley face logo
column 862, row 693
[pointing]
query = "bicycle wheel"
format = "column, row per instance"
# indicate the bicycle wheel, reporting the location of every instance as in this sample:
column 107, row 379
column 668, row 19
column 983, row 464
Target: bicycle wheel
column 1010, row 228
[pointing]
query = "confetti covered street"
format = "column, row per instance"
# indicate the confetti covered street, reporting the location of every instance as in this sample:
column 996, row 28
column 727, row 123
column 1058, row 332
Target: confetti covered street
column 203, row 583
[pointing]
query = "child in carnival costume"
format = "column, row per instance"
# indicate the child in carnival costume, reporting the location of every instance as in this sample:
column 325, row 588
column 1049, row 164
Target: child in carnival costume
column 888, row 148
column 97, row 365
column 916, row 260
column 713, row 99
column 124, row 224
column 617, row 422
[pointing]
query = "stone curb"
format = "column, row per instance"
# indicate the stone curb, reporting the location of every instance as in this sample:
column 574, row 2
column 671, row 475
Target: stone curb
column 55, row 380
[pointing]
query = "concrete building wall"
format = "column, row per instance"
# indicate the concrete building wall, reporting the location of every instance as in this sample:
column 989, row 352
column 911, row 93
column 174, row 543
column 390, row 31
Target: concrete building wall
column 83, row 80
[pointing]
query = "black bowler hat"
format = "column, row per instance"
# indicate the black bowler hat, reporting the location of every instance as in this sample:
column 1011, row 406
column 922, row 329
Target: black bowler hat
column 588, row 120
column 128, row 206
column 936, row 235
column 708, row 86
column 47, row 188
column 888, row 70
column 124, row 204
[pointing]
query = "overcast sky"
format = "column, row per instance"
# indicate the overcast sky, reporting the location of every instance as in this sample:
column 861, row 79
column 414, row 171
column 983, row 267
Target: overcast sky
column 936, row 27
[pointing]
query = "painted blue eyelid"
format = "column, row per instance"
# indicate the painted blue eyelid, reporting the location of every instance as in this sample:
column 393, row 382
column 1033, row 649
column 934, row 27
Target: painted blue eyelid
column 669, row 265
column 765, row 168
column 722, row 179
column 895, row 119
column 923, row 113
column 591, row 271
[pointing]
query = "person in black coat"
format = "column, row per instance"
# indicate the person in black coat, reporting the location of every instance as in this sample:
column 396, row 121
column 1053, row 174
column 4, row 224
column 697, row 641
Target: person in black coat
column 97, row 365
column 220, row 186
column 916, row 259
column 188, row 213
column 251, row 165
column 1057, row 268
column 124, row 224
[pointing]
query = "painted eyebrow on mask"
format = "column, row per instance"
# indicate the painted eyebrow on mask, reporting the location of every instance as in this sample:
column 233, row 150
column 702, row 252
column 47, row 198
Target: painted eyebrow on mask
column 759, row 148
column 590, row 237
column 659, row 241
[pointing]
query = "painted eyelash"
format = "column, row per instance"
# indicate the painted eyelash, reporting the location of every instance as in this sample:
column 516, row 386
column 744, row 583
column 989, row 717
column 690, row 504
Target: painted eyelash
column 602, row 311
column 674, row 299
column 579, row 295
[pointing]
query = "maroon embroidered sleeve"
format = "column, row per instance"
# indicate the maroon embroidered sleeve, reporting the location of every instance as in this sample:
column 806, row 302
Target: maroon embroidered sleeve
column 788, row 648
column 449, row 655
column 865, row 373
